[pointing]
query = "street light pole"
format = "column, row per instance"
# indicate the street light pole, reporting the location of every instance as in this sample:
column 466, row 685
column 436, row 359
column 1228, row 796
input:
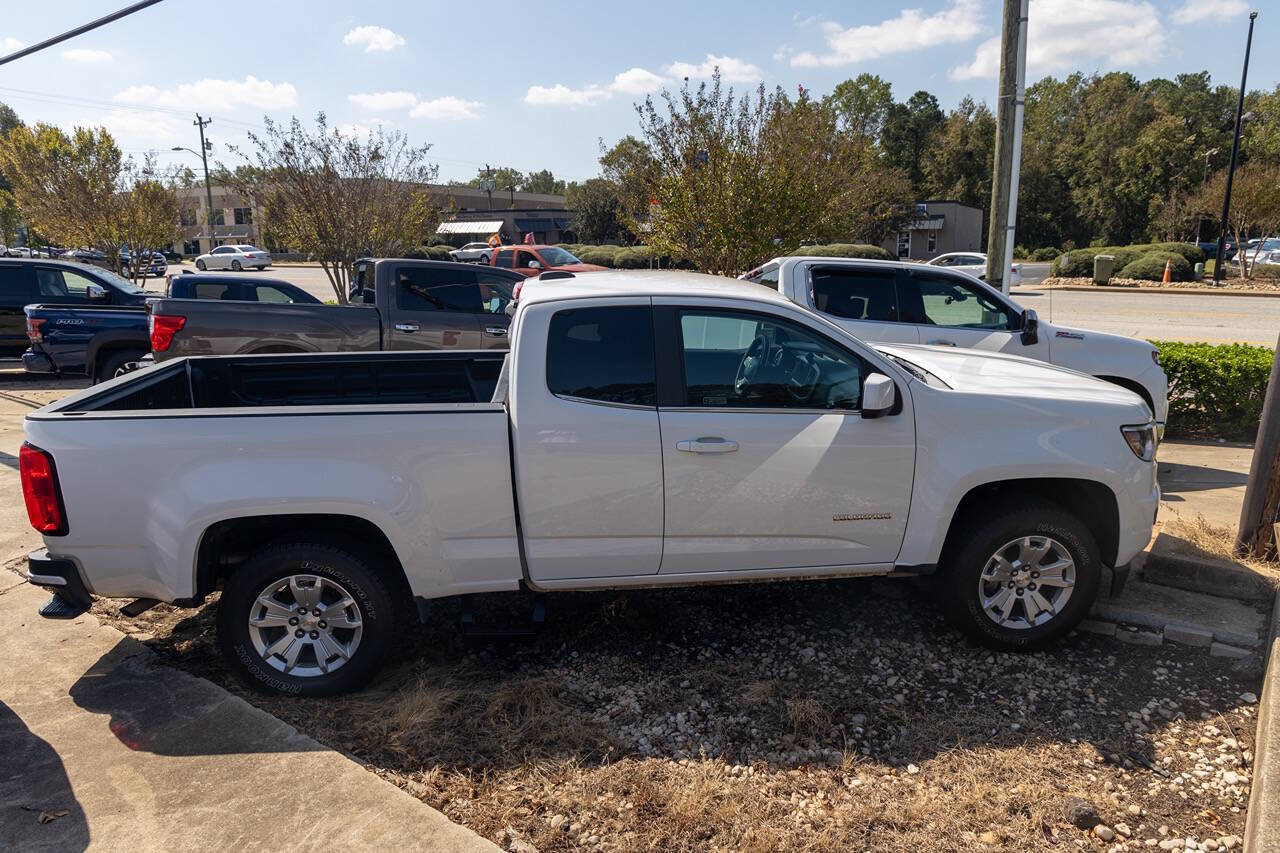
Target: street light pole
column 1218, row 261
column 204, row 158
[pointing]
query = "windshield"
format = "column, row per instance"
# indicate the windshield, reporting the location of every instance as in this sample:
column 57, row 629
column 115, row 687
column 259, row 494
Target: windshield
column 120, row 282
column 554, row 256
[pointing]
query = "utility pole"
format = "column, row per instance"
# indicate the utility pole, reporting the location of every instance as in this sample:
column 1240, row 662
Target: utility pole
column 204, row 158
column 1261, row 507
column 1004, row 178
column 487, row 184
column 1219, row 260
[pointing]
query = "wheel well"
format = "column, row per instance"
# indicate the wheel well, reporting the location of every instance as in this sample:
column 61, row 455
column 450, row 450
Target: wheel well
column 225, row 546
column 1093, row 503
column 279, row 349
column 110, row 348
column 1135, row 387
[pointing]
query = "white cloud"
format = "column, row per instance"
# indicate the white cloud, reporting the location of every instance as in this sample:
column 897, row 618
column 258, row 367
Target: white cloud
column 636, row 81
column 1078, row 35
column 353, row 130
column 378, row 101
column 86, row 55
column 912, row 30
column 373, row 39
column 732, row 69
column 447, row 108
column 211, row 94
column 9, row 44
column 561, row 95
column 1195, row 11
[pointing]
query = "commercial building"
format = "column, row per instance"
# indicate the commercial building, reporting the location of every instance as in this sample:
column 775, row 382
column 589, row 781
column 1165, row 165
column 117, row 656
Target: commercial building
column 941, row 227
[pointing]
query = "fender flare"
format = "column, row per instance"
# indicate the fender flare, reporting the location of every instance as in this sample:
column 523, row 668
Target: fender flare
column 111, row 340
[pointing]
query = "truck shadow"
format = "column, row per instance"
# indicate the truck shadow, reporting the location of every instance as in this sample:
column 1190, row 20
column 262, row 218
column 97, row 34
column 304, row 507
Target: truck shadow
column 783, row 675
column 34, row 785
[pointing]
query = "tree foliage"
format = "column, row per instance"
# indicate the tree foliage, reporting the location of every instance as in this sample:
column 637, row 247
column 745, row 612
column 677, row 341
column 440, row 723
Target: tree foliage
column 338, row 197
column 597, row 212
column 737, row 179
column 1255, row 204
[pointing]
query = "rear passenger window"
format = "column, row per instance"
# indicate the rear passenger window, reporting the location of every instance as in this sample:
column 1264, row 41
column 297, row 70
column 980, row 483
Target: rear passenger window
column 856, row 294
column 215, row 291
column 14, row 287
column 505, row 258
column 603, row 354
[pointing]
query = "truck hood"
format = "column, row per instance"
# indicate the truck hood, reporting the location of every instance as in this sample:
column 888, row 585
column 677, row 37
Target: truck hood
column 580, row 268
column 1063, row 340
column 1011, row 375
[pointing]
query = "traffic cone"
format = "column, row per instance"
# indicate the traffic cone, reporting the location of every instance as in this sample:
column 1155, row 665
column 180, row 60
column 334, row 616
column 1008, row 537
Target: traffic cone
column 1168, row 271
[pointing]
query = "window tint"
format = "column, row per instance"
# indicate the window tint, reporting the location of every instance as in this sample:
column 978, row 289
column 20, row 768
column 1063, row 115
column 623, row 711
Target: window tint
column 271, row 293
column 856, row 294
column 602, row 354
column 735, row 360
column 768, row 276
column 495, row 292
column 523, row 259
column 505, row 258
column 434, row 289
column 216, row 290
column 944, row 301
column 63, row 285
column 14, row 287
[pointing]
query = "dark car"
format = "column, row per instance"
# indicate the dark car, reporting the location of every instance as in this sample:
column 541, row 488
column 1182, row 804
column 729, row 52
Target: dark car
column 236, row 289
column 157, row 266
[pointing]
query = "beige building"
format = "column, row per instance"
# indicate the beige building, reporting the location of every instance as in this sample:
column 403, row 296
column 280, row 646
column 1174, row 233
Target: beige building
column 939, row 228
column 235, row 220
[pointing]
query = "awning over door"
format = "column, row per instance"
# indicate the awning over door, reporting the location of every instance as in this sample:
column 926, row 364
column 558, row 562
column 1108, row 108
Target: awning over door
column 471, row 227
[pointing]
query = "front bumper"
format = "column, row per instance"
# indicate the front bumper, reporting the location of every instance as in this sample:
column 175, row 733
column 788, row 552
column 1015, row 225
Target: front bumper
column 37, row 362
column 61, row 577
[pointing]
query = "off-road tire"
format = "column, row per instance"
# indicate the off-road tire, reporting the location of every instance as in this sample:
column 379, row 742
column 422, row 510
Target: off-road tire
column 368, row 589
column 982, row 535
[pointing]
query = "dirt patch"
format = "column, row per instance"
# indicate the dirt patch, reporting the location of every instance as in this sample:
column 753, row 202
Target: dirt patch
column 1228, row 284
column 1219, row 542
column 807, row 716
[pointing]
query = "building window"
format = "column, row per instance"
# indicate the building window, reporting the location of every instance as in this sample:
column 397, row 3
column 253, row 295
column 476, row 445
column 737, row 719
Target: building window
column 244, row 215
column 933, row 242
column 219, row 216
column 187, row 216
column 904, row 244
column 190, row 247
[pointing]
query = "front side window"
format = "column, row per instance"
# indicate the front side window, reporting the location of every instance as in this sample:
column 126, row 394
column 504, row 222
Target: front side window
column 524, row 258
column 603, row 354
column 433, row 289
column 495, row 292
column 853, row 294
column 944, row 301
column 754, row 361
column 271, row 293
column 63, row 285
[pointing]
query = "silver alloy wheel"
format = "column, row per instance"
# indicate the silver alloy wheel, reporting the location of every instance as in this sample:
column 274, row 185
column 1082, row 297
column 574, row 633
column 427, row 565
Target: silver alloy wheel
column 127, row 367
column 1027, row 582
column 305, row 625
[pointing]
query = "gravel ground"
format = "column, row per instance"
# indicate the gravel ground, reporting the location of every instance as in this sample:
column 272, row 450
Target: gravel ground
column 804, row 716
column 1207, row 284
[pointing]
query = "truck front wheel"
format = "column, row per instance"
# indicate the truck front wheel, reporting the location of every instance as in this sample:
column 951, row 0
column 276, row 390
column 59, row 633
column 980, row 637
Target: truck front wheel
column 305, row 619
column 1021, row 578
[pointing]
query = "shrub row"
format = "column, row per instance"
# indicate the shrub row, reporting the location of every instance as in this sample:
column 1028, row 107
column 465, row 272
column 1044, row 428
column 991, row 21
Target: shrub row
column 1150, row 267
column 847, row 250
column 1044, row 253
column 1079, row 262
column 1215, row 391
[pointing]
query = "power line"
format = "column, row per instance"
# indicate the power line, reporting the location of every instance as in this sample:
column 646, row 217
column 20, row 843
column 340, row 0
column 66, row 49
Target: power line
column 83, row 28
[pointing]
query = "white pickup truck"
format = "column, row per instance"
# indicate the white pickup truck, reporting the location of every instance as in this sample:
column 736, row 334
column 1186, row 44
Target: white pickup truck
column 646, row 429
column 907, row 303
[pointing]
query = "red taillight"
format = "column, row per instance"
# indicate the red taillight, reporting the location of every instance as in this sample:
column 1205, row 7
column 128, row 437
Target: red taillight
column 40, row 490
column 33, row 329
column 515, row 291
column 163, row 328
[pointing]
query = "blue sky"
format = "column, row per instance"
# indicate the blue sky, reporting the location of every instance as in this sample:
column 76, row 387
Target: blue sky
column 538, row 85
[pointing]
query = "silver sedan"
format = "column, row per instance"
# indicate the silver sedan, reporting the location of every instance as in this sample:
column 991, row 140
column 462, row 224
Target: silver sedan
column 234, row 257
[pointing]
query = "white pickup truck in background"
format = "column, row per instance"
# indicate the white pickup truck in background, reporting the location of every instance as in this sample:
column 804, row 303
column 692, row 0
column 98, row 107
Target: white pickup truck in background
column 646, row 429
column 906, row 303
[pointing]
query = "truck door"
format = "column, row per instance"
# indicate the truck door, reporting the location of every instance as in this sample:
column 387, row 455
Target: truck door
column 435, row 307
column 951, row 310
column 587, row 458
column 768, row 462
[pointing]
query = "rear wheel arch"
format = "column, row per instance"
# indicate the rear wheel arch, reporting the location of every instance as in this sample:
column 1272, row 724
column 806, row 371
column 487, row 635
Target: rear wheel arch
column 105, row 351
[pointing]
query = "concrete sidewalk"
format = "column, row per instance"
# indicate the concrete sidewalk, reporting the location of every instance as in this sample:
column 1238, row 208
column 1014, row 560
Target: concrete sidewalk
column 102, row 746
column 1203, row 478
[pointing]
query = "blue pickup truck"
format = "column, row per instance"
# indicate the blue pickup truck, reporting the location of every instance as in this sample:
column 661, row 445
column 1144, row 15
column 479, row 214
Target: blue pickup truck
column 97, row 324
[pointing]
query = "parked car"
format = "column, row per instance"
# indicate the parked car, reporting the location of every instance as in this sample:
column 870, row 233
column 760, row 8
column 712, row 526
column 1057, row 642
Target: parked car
column 397, row 304
column 92, row 257
column 974, row 264
column 17, row 251
column 648, row 429
column 909, row 303
column 156, row 265
column 1210, row 249
column 236, row 288
column 75, row 319
column 237, row 257
column 532, row 260
column 477, row 253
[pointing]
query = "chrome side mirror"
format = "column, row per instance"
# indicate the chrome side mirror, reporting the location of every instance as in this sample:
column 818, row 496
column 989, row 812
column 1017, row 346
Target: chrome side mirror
column 879, row 396
column 96, row 292
column 1030, row 327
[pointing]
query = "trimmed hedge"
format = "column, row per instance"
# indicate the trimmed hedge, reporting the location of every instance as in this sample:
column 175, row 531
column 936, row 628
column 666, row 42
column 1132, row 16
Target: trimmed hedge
column 1079, row 262
column 601, row 255
column 1150, row 267
column 847, row 250
column 1215, row 391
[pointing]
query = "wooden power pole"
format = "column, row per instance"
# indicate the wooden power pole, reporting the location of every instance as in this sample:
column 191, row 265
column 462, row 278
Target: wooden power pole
column 1004, row 179
column 1261, row 507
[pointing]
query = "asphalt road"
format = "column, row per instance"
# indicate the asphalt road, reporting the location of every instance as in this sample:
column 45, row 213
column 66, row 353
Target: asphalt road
column 1181, row 317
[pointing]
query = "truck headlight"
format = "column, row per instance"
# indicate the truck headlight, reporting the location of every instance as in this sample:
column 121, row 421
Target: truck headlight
column 1142, row 440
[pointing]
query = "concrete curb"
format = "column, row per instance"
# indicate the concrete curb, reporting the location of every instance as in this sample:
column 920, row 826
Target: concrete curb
column 1262, row 826
column 1213, row 577
column 1195, row 291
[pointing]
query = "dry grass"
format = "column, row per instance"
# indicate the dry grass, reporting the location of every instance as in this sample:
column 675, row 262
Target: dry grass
column 1218, row 542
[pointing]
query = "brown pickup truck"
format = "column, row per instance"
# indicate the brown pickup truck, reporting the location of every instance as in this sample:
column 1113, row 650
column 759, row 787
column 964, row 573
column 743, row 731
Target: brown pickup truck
column 397, row 304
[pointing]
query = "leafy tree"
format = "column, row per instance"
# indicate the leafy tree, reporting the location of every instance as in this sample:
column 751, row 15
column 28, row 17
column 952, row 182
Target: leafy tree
column 597, row 212
column 862, row 104
column 1255, row 204
column 337, row 197
column 542, row 182
column 908, row 134
column 148, row 216
column 963, row 158
column 631, row 167
column 504, row 178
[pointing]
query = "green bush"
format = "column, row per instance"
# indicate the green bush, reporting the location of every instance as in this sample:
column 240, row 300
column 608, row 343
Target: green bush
column 1215, row 391
column 601, row 255
column 1150, row 267
column 1193, row 253
column 1079, row 262
column 1271, row 271
column 1046, row 253
column 847, row 250
column 633, row 258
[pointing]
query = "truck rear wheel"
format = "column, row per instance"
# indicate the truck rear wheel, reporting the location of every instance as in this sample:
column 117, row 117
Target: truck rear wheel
column 118, row 363
column 1021, row 578
column 305, row 619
